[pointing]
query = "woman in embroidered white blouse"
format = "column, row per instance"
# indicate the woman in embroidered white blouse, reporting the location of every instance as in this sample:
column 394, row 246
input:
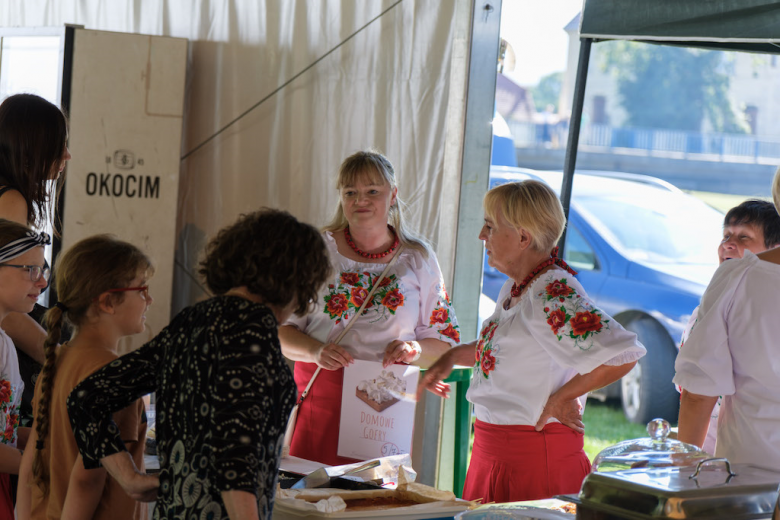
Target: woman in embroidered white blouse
column 543, row 349
column 409, row 318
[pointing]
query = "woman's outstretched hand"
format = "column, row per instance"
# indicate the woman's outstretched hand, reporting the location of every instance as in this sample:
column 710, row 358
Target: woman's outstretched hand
column 143, row 487
column 568, row 412
column 434, row 377
column 332, row 357
column 139, row 486
column 398, row 351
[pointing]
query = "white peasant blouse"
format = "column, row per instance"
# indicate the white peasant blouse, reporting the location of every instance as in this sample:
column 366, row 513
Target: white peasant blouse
column 410, row 304
column 526, row 353
column 732, row 352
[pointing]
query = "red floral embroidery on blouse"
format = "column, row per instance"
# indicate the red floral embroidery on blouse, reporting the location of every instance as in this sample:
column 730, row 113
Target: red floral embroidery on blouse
column 451, row 332
column 485, row 359
column 488, row 330
column 569, row 315
column 358, row 296
column 584, row 322
column 351, row 289
column 10, row 427
column 385, row 281
column 488, row 363
column 439, row 315
column 442, row 318
column 5, row 391
column 557, row 320
column 559, row 288
column 337, row 304
column 492, row 333
column 393, row 299
column 350, row 278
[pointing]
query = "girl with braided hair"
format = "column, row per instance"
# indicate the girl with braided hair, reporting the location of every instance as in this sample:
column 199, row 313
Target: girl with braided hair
column 223, row 391
column 103, row 294
column 23, row 276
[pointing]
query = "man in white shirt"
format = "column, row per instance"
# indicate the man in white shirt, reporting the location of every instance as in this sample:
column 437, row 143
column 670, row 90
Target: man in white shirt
column 753, row 225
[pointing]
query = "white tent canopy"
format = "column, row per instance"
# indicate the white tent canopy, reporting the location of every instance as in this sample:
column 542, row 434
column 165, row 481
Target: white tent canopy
column 279, row 92
column 388, row 86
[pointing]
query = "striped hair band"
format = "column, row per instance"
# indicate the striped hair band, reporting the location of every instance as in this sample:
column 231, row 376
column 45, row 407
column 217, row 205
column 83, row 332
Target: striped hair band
column 19, row 247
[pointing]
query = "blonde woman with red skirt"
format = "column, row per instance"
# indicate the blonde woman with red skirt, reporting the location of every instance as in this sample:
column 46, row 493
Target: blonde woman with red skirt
column 408, row 319
column 543, row 349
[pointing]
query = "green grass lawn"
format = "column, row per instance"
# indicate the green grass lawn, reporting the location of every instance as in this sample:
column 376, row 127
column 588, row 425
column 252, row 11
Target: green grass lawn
column 606, row 425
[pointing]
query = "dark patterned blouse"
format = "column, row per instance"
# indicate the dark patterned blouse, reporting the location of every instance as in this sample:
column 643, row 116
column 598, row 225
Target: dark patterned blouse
column 224, row 393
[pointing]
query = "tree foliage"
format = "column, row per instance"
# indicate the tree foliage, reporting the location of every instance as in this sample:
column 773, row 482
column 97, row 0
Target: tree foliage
column 663, row 86
column 548, row 91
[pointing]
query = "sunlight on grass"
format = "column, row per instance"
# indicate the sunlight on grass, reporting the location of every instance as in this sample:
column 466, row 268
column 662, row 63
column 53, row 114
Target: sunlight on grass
column 606, row 425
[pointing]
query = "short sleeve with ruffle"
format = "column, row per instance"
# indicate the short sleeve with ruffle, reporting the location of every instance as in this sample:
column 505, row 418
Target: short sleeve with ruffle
column 574, row 332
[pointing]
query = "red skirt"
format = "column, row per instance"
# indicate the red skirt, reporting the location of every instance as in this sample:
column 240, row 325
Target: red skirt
column 6, row 501
column 510, row 463
column 316, row 434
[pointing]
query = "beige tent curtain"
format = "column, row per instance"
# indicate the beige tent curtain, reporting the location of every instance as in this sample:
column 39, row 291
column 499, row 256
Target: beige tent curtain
column 387, row 87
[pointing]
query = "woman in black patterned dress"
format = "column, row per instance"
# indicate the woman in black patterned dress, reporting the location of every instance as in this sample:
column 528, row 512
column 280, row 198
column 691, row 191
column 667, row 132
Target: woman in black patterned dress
column 224, row 391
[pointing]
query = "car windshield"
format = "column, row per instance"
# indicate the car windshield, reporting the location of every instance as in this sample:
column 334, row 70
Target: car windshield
column 656, row 226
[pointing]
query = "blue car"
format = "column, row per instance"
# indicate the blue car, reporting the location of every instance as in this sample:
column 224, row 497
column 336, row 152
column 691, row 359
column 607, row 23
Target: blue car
column 644, row 252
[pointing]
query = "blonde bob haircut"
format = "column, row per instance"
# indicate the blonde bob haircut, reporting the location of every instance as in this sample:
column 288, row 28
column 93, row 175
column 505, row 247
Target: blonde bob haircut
column 776, row 190
column 377, row 169
column 530, row 205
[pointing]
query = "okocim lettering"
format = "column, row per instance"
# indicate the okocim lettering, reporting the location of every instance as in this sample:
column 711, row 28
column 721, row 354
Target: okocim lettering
column 117, row 185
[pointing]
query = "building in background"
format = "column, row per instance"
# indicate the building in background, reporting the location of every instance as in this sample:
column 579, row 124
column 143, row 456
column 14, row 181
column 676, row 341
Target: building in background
column 752, row 88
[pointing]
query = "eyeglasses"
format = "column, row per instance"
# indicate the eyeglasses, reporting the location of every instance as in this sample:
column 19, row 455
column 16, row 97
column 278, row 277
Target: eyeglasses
column 144, row 290
column 36, row 271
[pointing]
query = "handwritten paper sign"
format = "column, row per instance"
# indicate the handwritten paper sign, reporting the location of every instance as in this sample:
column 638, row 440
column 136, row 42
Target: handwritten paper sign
column 377, row 410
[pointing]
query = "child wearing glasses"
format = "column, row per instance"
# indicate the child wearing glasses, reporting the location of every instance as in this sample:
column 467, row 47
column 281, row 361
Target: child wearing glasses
column 223, row 389
column 103, row 294
column 33, row 154
column 22, row 278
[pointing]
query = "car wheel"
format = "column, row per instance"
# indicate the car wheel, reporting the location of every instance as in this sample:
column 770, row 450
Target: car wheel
column 647, row 391
column 630, row 392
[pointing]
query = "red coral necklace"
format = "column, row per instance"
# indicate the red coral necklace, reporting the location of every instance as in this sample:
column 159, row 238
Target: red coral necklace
column 517, row 289
column 372, row 256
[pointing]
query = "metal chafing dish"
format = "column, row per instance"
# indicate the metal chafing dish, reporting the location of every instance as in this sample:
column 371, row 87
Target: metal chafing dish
column 655, row 451
column 776, row 514
column 712, row 489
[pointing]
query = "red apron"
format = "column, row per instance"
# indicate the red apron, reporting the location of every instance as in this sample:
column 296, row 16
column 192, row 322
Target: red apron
column 510, row 463
column 316, row 434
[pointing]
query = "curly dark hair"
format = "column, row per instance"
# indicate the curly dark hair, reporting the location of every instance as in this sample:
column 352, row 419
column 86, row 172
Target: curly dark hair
column 275, row 256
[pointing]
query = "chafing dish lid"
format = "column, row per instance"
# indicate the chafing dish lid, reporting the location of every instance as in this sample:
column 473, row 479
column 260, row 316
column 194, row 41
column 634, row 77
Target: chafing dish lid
column 712, row 489
column 657, row 450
